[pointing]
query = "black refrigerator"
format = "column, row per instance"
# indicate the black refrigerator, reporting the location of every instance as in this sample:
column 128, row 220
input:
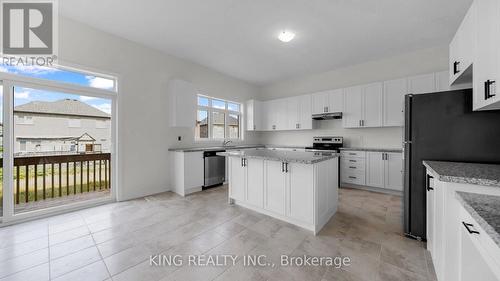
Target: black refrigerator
column 442, row 126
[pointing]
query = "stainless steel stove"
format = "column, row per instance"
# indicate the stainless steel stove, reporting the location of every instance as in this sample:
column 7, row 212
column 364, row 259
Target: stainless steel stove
column 326, row 144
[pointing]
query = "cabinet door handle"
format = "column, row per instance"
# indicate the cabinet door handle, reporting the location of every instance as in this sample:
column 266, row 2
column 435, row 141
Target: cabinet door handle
column 286, row 167
column 428, row 183
column 241, row 162
column 327, row 109
column 244, row 162
column 352, row 167
column 471, row 231
column 254, row 127
column 487, row 89
column 353, row 161
column 360, row 123
column 282, row 167
column 352, row 153
column 455, row 67
column 351, row 177
column 363, row 123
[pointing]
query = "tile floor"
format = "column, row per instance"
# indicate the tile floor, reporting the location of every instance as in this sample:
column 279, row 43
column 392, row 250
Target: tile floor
column 115, row 241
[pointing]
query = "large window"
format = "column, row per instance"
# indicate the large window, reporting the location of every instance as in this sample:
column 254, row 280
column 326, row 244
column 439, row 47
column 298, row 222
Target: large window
column 217, row 119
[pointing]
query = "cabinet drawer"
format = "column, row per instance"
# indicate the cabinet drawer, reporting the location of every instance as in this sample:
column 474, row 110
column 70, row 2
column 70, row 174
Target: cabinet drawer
column 354, row 177
column 353, row 153
column 352, row 161
column 482, row 240
column 352, row 165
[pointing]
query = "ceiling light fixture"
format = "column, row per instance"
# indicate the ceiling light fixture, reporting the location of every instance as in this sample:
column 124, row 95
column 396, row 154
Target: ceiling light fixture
column 286, row 36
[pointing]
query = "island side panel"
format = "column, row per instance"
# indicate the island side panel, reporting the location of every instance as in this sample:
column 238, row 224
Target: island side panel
column 326, row 190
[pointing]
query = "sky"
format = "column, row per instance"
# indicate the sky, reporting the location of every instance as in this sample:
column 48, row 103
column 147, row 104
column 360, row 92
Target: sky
column 25, row 95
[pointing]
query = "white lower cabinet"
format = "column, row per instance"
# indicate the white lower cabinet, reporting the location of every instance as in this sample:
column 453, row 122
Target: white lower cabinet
column 393, row 171
column 302, row 194
column 275, row 187
column 375, row 171
column 456, row 253
column 255, row 182
column 373, row 168
column 188, row 172
column 238, row 178
column 301, row 198
column 478, row 253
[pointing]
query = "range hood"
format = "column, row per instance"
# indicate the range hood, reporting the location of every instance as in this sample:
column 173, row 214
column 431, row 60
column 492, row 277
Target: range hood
column 327, row 116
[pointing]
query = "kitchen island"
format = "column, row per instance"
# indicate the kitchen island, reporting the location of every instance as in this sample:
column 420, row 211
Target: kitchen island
column 300, row 188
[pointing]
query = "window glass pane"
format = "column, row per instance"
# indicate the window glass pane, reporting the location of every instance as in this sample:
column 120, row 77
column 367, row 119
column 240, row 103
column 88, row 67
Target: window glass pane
column 201, row 130
column 233, row 106
column 218, row 125
column 52, row 132
column 219, row 104
column 233, row 126
column 202, row 101
column 61, row 75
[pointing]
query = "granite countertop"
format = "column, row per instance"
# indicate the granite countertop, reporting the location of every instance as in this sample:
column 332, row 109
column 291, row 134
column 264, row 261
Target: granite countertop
column 285, row 156
column 485, row 209
column 209, row 148
column 395, row 150
column 470, row 173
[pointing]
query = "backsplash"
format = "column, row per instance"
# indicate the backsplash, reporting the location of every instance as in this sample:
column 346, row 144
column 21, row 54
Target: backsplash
column 363, row 137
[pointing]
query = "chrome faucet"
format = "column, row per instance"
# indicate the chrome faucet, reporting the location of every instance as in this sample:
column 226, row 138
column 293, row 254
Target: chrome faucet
column 226, row 142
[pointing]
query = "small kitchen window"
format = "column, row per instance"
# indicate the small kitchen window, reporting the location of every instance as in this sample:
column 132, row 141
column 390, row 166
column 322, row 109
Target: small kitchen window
column 217, row 119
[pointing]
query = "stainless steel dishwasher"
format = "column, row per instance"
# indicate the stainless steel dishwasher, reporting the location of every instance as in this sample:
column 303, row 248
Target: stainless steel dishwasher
column 215, row 169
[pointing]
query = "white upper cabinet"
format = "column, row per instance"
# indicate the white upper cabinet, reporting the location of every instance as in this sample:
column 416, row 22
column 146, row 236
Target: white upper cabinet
column 182, row 102
column 393, row 102
column 363, row 106
column 336, row 100
column 462, row 48
column 353, row 107
column 486, row 61
column 372, row 105
column 254, row 115
column 293, row 113
column 327, row 101
column 443, row 81
column 320, row 102
column 477, row 44
column 305, row 107
column 422, row 84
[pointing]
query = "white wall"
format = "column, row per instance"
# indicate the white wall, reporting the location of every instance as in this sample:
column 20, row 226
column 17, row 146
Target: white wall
column 144, row 136
column 422, row 61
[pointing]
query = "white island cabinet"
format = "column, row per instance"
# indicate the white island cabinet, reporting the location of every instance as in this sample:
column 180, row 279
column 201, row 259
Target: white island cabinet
column 301, row 192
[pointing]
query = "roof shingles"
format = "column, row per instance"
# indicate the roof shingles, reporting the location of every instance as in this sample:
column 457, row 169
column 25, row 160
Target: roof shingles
column 70, row 107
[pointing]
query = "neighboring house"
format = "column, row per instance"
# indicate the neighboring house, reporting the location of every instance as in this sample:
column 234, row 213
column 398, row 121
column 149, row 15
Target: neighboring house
column 218, row 127
column 61, row 126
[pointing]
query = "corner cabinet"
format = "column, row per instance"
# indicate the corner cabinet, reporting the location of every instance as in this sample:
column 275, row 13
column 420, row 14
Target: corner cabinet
column 475, row 53
column 182, row 103
column 486, row 64
column 456, row 252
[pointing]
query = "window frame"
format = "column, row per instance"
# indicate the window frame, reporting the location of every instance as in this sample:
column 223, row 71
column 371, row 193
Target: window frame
column 210, row 110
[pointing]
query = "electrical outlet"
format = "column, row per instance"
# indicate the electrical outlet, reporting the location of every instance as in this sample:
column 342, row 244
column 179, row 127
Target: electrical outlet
column 179, row 138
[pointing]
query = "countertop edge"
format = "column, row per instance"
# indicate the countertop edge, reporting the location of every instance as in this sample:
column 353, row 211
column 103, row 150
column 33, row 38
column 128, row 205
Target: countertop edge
column 291, row 160
column 394, row 150
column 492, row 233
column 456, row 179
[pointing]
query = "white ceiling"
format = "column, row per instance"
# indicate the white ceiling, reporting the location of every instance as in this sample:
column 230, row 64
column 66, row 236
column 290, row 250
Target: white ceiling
column 238, row 37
